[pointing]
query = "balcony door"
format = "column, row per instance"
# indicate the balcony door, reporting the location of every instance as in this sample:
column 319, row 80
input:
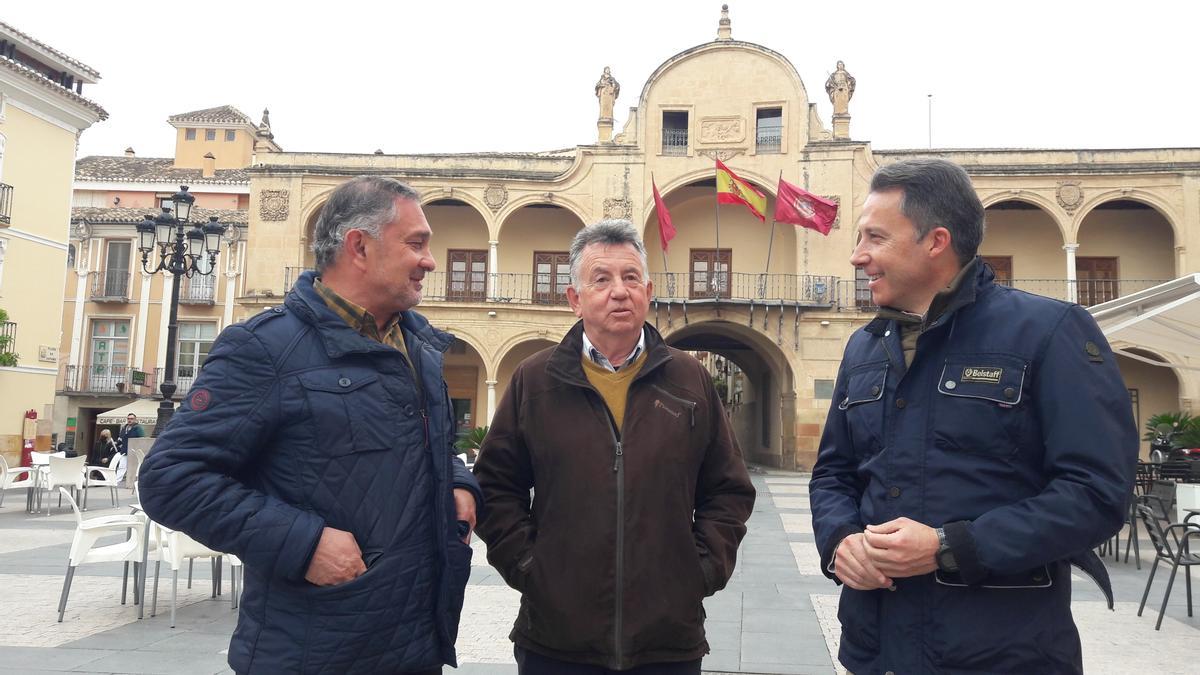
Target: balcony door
column 551, row 276
column 109, row 355
column 467, row 280
column 1098, row 280
column 710, row 272
column 195, row 340
column 116, row 270
column 1002, row 266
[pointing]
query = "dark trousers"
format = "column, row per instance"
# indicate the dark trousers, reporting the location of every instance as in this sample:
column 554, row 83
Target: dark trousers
column 532, row 663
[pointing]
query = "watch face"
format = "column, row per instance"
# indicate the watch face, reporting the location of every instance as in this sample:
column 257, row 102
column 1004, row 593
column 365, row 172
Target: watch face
column 945, row 560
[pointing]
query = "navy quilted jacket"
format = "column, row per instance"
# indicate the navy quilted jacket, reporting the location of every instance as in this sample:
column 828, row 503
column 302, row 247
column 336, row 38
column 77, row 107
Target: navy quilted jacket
column 296, row 423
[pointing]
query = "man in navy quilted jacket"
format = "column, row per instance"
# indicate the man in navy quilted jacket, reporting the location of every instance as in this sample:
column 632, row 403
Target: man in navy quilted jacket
column 316, row 445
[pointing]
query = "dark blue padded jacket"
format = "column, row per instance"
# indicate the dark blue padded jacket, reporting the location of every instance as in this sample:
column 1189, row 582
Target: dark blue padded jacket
column 296, row 423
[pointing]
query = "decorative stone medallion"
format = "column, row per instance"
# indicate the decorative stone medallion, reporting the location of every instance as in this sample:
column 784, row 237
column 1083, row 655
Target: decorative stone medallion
column 722, row 130
column 273, row 205
column 723, row 154
column 495, row 196
column 1069, row 194
column 618, row 208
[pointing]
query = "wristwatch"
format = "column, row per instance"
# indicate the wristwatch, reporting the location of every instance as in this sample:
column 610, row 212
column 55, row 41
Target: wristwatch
column 945, row 556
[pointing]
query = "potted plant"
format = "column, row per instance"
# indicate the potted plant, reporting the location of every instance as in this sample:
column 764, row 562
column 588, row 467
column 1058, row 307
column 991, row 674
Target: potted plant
column 471, row 442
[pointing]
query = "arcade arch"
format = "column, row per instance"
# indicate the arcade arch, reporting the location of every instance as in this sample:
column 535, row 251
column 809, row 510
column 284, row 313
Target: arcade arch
column 1024, row 242
column 1125, row 245
column 531, row 255
column 1152, row 389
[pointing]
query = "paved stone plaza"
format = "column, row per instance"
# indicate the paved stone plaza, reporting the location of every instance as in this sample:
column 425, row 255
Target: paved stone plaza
column 778, row 614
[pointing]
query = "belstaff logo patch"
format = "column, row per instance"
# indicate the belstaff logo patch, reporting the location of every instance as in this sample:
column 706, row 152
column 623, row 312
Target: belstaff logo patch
column 982, row 374
column 200, row 399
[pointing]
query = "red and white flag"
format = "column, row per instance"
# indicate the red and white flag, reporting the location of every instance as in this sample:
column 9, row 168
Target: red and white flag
column 801, row 207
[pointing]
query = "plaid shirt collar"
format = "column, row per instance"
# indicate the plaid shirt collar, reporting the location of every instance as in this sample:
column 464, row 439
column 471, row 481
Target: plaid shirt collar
column 590, row 352
column 362, row 321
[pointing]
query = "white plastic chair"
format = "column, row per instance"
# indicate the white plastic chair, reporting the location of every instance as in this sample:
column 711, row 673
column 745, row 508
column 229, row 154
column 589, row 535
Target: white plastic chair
column 10, row 480
column 84, row 549
column 64, row 472
column 107, row 479
column 176, row 547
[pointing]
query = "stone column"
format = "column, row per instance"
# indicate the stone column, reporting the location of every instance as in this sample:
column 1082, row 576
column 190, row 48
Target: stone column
column 493, row 275
column 138, row 357
column 1072, row 281
column 491, row 400
column 1180, row 261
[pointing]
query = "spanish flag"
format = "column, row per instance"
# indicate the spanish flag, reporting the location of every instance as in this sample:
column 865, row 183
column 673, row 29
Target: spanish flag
column 734, row 190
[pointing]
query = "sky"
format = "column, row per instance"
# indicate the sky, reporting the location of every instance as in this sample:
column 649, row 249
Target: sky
column 475, row 76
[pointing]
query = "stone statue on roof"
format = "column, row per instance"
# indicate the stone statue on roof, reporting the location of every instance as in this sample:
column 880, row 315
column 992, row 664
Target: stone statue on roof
column 607, row 90
column 840, row 87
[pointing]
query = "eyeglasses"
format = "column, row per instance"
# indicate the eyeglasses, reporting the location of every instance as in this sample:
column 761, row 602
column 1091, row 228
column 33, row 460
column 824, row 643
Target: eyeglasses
column 631, row 282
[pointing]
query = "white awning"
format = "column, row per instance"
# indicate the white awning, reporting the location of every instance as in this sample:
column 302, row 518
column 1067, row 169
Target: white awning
column 146, row 410
column 1164, row 319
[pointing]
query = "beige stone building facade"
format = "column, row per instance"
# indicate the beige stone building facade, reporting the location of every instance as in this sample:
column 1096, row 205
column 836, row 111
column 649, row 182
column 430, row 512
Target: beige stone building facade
column 1072, row 224
column 42, row 114
column 777, row 301
column 114, row 319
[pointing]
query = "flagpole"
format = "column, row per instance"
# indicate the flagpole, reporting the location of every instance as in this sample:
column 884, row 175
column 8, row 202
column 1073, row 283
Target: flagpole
column 660, row 233
column 717, row 222
column 771, row 239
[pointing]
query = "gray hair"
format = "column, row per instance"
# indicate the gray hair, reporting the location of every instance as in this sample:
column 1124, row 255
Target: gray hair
column 612, row 232
column 937, row 193
column 364, row 203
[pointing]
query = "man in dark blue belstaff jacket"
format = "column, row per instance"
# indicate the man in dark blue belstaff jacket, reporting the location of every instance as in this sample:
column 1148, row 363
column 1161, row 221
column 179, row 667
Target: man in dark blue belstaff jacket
column 316, row 446
column 981, row 441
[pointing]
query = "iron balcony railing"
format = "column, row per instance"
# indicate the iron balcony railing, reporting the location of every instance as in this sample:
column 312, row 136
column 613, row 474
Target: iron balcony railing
column 736, row 287
column 198, row 290
column 675, row 141
column 109, row 285
column 124, row 380
column 8, row 337
column 768, row 141
column 6, row 199
column 290, row 275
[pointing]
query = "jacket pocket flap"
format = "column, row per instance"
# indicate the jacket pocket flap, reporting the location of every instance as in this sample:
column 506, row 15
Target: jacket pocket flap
column 992, row 377
column 865, row 384
column 336, row 383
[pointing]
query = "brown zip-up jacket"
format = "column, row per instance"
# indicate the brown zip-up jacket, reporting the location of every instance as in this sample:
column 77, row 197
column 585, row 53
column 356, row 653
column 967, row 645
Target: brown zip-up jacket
column 628, row 529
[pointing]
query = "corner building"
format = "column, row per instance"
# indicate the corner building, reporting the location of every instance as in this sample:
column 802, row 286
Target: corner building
column 1072, row 224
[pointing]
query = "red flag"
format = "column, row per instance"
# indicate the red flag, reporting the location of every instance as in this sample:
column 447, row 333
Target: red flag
column 666, row 230
column 803, row 208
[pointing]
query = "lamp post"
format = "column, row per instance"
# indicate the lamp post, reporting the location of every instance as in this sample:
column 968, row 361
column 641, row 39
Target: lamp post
column 182, row 252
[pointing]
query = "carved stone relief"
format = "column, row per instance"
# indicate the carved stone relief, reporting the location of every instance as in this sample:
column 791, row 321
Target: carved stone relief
column 495, row 196
column 722, row 130
column 723, row 154
column 1069, row 195
column 273, row 205
column 618, row 208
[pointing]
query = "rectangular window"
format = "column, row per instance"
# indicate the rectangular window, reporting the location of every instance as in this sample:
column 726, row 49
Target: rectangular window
column 1098, row 280
column 769, row 130
column 109, row 356
column 230, row 135
column 710, row 272
column 675, row 132
column 862, row 289
column 189, row 134
column 116, row 270
column 467, row 279
column 823, row 389
column 195, row 341
column 551, row 276
column 210, row 134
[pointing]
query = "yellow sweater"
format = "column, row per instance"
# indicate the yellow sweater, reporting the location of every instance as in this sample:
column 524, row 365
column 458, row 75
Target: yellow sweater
column 613, row 387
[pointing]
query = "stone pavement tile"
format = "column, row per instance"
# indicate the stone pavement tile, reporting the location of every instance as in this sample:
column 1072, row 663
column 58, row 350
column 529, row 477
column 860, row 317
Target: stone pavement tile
column 773, row 599
column 786, row 621
column 728, row 660
column 806, row 557
column 796, row 523
column 25, row 659
column 798, row 650
column 723, row 635
column 157, row 663
column 802, row 479
column 1114, row 641
column 785, row 669
column 789, row 489
column 791, row 503
column 24, row 539
column 190, row 642
column 487, row 618
column 484, row 668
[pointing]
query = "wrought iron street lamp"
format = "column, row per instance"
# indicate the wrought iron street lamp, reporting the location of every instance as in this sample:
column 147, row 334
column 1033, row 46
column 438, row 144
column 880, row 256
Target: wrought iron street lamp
column 182, row 252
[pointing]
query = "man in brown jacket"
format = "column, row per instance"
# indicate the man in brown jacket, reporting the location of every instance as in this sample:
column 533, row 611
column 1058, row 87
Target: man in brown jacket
column 641, row 493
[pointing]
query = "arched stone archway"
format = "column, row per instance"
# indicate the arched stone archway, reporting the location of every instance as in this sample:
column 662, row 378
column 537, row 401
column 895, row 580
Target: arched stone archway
column 465, row 372
column 511, row 358
column 460, row 248
column 1152, row 389
column 531, row 253
column 1023, row 243
column 763, row 406
column 693, row 262
column 1125, row 245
